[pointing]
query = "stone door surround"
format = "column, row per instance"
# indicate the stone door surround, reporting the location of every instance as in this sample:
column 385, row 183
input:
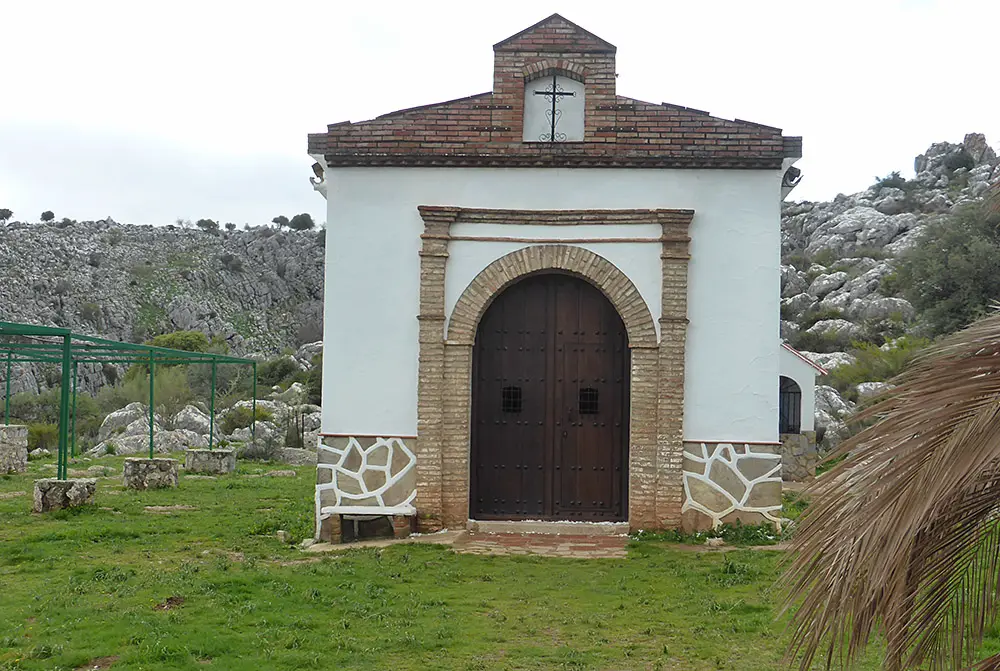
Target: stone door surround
column 656, row 446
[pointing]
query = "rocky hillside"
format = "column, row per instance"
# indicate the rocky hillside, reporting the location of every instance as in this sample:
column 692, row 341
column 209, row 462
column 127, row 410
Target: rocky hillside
column 838, row 278
column 260, row 290
column 837, row 255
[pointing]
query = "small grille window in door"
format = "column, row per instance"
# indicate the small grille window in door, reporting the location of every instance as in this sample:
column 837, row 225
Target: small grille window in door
column 510, row 399
column 588, row 401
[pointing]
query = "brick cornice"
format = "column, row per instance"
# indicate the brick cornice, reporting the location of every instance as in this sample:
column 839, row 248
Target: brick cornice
column 677, row 219
column 541, row 155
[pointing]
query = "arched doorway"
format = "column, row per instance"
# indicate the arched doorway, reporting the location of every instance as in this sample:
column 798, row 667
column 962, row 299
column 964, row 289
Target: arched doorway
column 550, row 404
column 789, row 406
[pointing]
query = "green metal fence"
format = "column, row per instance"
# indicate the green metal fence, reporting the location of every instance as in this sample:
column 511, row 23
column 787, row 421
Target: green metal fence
column 27, row 343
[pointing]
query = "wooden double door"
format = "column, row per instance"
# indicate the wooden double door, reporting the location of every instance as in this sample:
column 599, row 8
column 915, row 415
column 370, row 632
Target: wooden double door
column 550, row 404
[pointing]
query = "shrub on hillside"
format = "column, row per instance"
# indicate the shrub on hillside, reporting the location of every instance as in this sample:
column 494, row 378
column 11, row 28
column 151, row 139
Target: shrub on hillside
column 314, row 381
column 893, row 180
column 242, row 417
column 189, row 341
column 207, row 225
column 43, row 436
column 874, row 364
column 952, row 275
column 301, row 222
column 278, row 372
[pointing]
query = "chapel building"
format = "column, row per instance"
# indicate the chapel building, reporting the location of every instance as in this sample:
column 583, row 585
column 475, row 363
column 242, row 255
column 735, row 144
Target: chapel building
column 551, row 302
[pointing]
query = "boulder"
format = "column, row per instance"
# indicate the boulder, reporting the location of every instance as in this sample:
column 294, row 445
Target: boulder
column 163, row 441
column 119, row 421
column 788, row 330
column 192, row 419
column 883, row 308
column 307, row 352
column 830, row 401
column 824, row 284
column 798, row 303
column 39, row 453
column 52, row 494
column 296, row 394
column 839, row 328
column 829, row 360
column 792, row 281
column 296, row 457
column 265, row 431
column 869, row 390
column 977, row 147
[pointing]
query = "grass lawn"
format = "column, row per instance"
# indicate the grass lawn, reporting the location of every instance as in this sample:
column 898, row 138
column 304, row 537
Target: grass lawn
column 116, row 586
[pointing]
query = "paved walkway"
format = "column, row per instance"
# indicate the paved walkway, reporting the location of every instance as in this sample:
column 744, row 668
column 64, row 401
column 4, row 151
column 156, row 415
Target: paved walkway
column 468, row 542
column 579, row 547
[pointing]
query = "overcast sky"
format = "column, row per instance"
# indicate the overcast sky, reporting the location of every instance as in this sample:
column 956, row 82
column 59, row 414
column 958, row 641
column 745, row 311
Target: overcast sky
column 149, row 112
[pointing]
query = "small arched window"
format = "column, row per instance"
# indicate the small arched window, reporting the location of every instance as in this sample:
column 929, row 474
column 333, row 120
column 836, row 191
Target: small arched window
column 553, row 109
column 789, row 406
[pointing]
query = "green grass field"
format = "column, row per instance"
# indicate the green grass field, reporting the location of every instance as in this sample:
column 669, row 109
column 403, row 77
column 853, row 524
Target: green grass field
column 116, row 586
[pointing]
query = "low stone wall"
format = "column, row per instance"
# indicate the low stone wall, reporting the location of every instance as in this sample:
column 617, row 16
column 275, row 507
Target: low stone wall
column 150, row 473
column 53, row 494
column 13, row 449
column 211, row 462
column 799, row 456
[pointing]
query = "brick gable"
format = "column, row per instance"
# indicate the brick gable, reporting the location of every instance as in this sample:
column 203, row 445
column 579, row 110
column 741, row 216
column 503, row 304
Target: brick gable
column 486, row 129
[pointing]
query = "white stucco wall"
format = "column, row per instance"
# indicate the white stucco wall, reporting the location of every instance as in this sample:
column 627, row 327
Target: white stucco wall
column 372, row 291
column 791, row 366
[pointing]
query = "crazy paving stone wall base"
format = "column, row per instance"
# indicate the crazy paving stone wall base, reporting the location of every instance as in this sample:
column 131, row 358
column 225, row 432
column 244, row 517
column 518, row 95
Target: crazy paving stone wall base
column 730, row 482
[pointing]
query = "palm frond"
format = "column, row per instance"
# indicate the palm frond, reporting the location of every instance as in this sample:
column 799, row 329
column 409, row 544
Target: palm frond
column 903, row 536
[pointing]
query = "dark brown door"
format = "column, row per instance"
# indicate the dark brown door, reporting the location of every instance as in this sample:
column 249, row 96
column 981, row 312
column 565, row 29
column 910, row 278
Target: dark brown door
column 550, row 404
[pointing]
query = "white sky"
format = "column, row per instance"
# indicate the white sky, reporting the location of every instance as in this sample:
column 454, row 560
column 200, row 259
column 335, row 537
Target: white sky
column 149, row 112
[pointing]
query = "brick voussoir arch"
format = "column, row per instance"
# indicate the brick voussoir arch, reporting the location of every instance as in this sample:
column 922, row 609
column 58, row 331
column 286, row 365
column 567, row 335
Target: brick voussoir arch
column 547, row 67
column 597, row 270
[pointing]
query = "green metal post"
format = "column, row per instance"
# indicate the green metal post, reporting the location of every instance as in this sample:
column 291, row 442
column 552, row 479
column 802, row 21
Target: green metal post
column 6, row 398
column 253, row 411
column 72, row 445
column 211, row 413
column 63, row 466
column 152, row 374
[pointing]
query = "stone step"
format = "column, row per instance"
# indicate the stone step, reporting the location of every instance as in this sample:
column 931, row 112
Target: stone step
column 567, row 528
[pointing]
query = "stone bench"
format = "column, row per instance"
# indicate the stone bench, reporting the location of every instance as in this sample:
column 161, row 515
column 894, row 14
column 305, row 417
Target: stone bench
column 53, row 494
column 150, row 473
column 211, row 462
column 13, row 449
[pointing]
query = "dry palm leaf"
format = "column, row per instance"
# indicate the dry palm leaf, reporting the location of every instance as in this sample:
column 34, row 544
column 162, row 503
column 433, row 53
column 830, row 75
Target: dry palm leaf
column 903, row 536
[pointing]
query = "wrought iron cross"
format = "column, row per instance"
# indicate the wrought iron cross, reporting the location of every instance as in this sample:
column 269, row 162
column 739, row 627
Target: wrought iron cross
column 554, row 113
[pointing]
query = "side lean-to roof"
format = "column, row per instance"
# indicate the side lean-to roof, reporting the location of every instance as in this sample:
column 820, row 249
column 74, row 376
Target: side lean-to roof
column 485, row 129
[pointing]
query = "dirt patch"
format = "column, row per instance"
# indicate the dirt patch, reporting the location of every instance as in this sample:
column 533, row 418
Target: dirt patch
column 11, row 495
column 167, row 509
column 170, row 603
column 99, row 663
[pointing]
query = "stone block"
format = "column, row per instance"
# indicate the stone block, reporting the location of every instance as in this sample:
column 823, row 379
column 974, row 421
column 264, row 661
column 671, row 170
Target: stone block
column 150, row 473
column 53, row 494
column 13, row 449
column 210, row 462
